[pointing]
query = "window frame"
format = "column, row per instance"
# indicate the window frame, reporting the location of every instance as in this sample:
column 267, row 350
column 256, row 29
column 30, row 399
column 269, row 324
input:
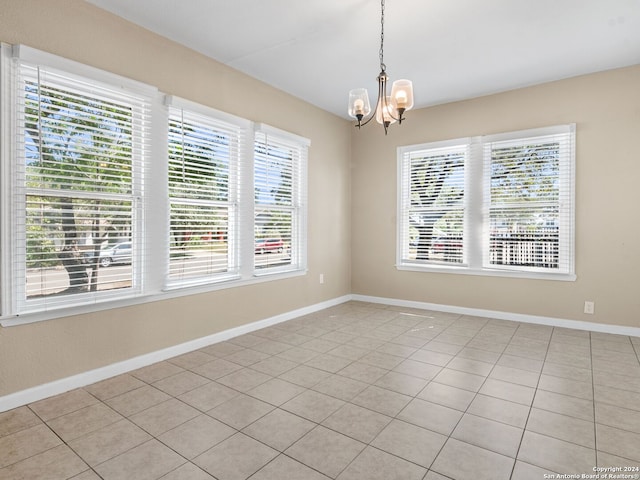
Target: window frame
column 155, row 217
column 476, row 207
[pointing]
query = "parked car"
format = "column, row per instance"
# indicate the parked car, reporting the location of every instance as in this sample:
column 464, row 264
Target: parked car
column 268, row 245
column 118, row 253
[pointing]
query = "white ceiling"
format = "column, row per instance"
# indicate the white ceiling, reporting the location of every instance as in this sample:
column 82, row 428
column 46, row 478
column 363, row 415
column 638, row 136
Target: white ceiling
column 318, row 50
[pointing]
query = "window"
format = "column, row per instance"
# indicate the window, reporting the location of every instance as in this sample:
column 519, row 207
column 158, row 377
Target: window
column 204, row 158
column 495, row 205
column 108, row 194
column 280, row 201
column 76, row 183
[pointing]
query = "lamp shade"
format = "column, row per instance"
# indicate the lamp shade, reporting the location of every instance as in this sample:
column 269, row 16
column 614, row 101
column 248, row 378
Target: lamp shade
column 359, row 103
column 402, row 95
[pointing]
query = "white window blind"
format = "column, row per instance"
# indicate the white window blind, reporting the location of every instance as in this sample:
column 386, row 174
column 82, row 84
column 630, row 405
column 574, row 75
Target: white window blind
column 204, row 158
column 530, row 186
column 494, row 205
column 432, row 191
column 77, row 189
column 280, row 201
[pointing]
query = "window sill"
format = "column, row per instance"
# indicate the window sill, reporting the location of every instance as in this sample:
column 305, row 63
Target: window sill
column 465, row 270
column 166, row 294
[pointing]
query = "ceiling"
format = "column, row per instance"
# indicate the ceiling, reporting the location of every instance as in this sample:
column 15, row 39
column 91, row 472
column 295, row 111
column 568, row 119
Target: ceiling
column 318, row 50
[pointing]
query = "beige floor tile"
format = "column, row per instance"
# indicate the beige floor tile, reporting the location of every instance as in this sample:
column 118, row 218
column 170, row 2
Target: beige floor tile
column 455, row 378
column 526, row 471
column 374, row 464
column 618, row 442
column 448, row 396
column 488, row 434
column 314, row 406
column 356, row 422
column 148, row 461
column 283, row 467
column 569, row 359
column 508, row 391
column 192, row 359
column 431, row 357
column 320, row 345
column 401, row 383
column 63, row 404
column 114, row 386
column 25, row 443
column 414, row 368
column 614, row 380
column 180, row 383
column 236, row 458
column 196, row 436
column 221, row 349
column 17, row 419
column 108, row 442
column 363, row 372
column 431, row 475
column 350, row 352
column 569, row 429
column 463, row 461
column 216, row 368
column 276, row 391
column 157, row 371
column 163, row 417
column 240, row 411
column 382, row 360
column 298, row 355
column 58, row 462
column 328, row 363
column 279, row 429
column 274, row 366
column 504, row 411
column 566, row 386
column 86, row 475
column 137, row 400
column 413, row 443
column 515, row 375
column 479, row 355
column 244, row 380
column 208, row 396
column 305, row 376
column 324, row 450
column 618, row 417
column 469, row 365
column 564, row 404
column 431, row 416
column 381, row 400
column 83, row 421
column 247, row 357
column 555, row 455
column 396, row 349
column 340, row 387
column 566, row 371
column 271, row 347
column 608, row 460
column 187, row 471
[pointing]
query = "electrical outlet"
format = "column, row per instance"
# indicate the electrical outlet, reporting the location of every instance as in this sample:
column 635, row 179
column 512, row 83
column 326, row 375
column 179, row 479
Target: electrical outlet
column 321, row 278
column 589, row 307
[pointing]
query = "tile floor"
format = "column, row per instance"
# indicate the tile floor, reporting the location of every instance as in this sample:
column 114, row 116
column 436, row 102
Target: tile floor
column 357, row 391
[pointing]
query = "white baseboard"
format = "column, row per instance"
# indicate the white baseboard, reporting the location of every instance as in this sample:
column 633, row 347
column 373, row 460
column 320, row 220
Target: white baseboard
column 40, row 392
column 46, row 390
column 517, row 317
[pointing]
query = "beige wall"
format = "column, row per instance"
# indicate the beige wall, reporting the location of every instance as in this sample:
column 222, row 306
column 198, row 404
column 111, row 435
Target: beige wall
column 42, row 352
column 606, row 110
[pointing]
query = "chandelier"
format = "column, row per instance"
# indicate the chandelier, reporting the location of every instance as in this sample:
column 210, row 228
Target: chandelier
column 389, row 109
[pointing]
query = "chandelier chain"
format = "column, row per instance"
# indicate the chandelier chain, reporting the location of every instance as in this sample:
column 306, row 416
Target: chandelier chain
column 382, row 65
